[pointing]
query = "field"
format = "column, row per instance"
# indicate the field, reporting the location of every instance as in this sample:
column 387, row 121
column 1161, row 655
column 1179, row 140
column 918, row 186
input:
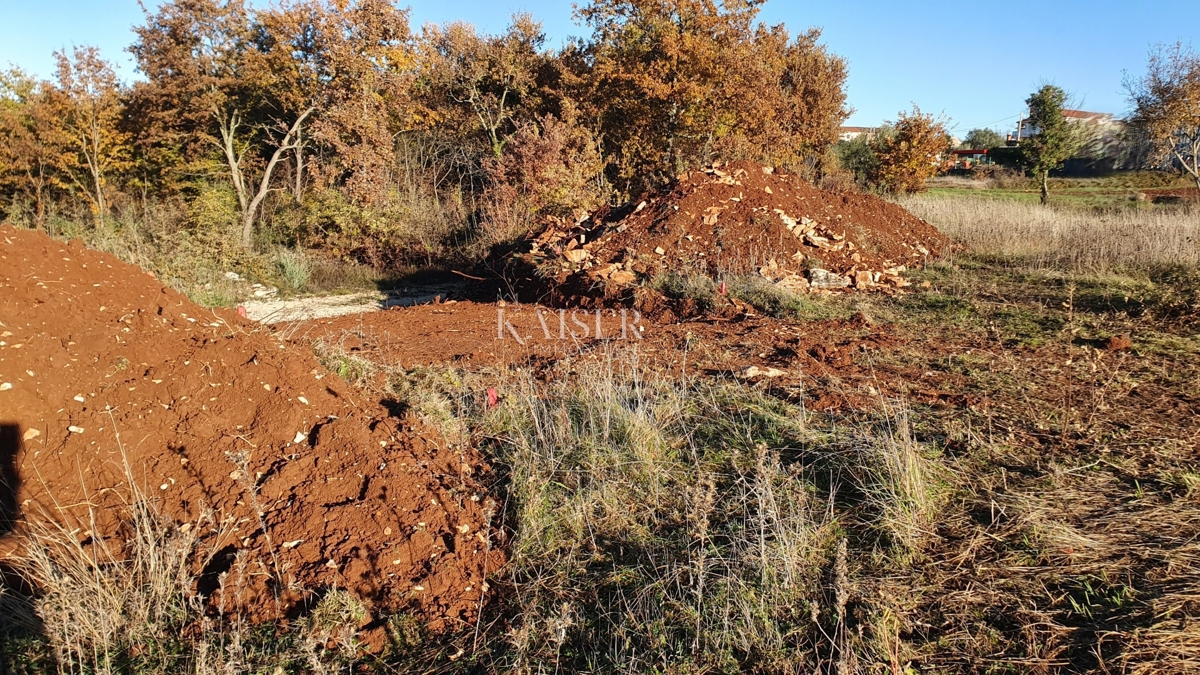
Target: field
column 1120, row 191
column 989, row 469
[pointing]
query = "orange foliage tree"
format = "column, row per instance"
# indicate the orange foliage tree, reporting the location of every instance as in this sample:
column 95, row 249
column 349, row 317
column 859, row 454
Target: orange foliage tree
column 396, row 130
column 88, row 101
column 911, row 153
column 1167, row 107
column 680, row 82
column 31, row 145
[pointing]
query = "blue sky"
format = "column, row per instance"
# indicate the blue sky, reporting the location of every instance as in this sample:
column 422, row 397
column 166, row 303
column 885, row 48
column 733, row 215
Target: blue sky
column 973, row 61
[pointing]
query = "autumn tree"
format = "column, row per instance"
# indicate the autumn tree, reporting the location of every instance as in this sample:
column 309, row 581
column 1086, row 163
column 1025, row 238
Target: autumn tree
column 1166, row 104
column 190, row 53
column 552, row 168
column 656, row 70
column 682, row 82
column 289, row 40
column 911, row 153
column 204, row 90
column 784, row 101
column 32, row 144
column 367, row 103
column 493, row 79
column 87, row 98
column 1054, row 140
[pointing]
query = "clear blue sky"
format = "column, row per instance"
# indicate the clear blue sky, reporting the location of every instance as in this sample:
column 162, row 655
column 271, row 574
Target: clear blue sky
column 974, row 61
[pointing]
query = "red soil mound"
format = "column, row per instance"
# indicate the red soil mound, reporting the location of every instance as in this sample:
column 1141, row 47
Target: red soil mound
column 744, row 218
column 101, row 366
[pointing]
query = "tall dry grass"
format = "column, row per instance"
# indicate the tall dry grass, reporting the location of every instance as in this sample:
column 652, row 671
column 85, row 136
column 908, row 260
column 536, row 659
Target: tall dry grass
column 659, row 525
column 126, row 601
column 1088, row 242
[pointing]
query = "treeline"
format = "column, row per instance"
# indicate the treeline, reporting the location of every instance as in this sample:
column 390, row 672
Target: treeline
column 337, row 125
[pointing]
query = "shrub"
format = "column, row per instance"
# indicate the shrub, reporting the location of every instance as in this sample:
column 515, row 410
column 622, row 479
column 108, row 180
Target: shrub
column 912, row 154
column 551, row 168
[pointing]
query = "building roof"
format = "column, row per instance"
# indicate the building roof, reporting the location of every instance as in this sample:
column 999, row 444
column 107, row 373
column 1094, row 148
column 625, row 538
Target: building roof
column 1085, row 115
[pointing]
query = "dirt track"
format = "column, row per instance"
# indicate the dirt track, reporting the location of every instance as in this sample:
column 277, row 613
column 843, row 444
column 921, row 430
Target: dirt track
column 101, row 367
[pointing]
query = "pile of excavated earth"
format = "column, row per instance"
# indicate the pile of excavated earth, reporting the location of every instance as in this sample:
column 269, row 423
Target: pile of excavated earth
column 107, row 376
column 742, row 218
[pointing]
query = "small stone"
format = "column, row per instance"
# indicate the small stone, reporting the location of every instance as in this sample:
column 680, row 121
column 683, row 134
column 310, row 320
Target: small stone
column 302, row 400
column 5, row 386
column 300, row 436
column 75, row 430
column 752, row 372
column 31, row 434
column 81, row 399
column 660, row 250
column 463, row 529
column 863, row 280
column 292, row 544
column 793, row 283
column 819, row 278
column 577, row 255
column 623, row 277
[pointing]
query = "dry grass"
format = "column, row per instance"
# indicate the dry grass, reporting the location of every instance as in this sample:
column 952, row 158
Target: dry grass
column 126, row 602
column 1067, row 239
column 667, row 526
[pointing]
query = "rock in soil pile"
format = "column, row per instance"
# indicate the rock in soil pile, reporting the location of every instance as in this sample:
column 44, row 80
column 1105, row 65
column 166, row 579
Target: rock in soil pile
column 743, row 218
column 103, row 368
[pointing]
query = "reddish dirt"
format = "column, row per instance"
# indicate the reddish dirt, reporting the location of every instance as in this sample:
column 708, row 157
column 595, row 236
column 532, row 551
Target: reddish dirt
column 829, row 365
column 1170, row 194
column 102, row 366
column 743, row 218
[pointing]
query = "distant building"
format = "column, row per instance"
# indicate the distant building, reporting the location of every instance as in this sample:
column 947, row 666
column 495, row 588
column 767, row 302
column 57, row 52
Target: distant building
column 851, row 133
column 1103, row 123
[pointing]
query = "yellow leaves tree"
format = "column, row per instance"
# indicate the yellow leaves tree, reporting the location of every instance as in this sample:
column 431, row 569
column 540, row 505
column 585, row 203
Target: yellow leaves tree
column 786, row 99
column 88, row 100
column 655, row 78
column 1167, row 106
column 911, row 153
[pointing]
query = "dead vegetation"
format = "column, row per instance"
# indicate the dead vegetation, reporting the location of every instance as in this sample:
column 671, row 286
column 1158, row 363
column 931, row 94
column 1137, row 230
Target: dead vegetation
column 1086, row 242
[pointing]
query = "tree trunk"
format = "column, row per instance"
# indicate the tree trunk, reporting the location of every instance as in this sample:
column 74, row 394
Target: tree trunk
column 229, row 125
column 101, row 207
column 1045, row 188
column 299, row 165
column 264, row 186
